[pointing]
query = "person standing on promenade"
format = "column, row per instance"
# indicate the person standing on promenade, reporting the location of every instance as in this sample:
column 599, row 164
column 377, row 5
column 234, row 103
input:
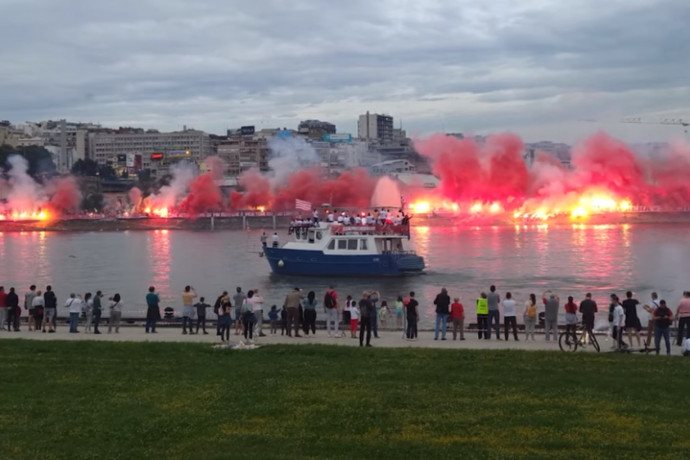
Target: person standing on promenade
column 457, row 315
column 374, row 297
column 618, row 323
column 683, row 317
column 248, row 318
column 442, row 302
column 115, row 314
column 238, row 301
column 550, row 315
column 483, row 317
column 50, row 310
column 367, row 310
column 13, row 310
column 75, row 306
column 330, row 307
column 346, row 311
column 88, row 312
column 650, row 308
column 309, row 306
column 632, row 322
column 530, row 316
column 291, row 306
column 224, row 318
column 39, row 310
column 201, row 307
column 3, row 308
column 412, row 313
column 28, row 305
column 258, row 303
column 153, row 310
column 663, row 317
column 273, row 317
column 509, row 316
column 494, row 317
column 188, row 297
column 588, row 309
column 570, row 320
column 97, row 311
column 399, row 312
column 354, row 318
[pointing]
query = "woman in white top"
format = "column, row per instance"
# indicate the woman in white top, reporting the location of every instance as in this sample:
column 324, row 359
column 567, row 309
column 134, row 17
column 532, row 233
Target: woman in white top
column 509, row 316
column 115, row 314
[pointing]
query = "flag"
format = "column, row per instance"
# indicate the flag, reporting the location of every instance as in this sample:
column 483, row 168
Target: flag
column 303, row 205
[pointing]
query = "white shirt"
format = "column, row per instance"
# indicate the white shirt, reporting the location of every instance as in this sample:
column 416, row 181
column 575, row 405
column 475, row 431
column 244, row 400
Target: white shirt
column 508, row 307
column 256, row 303
column 618, row 316
column 686, row 347
column 354, row 312
column 116, row 306
column 37, row 302
column 74, row 304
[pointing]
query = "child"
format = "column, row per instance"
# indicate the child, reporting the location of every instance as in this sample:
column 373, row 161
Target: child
column 383, row 314
column 399, row 313
column 273, row 316
column 354, row 320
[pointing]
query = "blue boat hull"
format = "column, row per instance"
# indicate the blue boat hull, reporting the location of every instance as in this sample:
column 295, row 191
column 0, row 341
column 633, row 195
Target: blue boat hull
column 316, row 263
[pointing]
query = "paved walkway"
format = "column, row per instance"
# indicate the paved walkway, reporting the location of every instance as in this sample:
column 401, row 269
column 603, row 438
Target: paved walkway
column 388, row 339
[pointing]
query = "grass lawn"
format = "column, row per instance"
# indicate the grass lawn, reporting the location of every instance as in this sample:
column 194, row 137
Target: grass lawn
column 163, row 400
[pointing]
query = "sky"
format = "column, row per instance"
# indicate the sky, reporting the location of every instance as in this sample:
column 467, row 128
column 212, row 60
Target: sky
column 546, row 70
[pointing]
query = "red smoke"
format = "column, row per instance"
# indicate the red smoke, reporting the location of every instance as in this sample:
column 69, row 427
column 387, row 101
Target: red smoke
column 66, row 196
column 204, row 195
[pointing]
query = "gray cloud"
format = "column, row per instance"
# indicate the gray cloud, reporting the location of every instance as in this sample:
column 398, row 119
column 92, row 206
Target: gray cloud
column 450, row 65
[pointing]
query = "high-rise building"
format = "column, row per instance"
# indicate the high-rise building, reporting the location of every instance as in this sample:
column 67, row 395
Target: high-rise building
column 375, row 127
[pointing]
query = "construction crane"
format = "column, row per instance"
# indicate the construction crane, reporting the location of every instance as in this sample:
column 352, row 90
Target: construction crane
column 657, row 121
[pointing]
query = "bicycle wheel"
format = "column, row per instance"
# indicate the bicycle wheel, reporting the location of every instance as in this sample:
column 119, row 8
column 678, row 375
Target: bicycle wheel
column 567, row 342
column 595, row 343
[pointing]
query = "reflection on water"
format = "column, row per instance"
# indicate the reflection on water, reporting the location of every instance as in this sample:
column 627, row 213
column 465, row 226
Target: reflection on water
column 571, row 260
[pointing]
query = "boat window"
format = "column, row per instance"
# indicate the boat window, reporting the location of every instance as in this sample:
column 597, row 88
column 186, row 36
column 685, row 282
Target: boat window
column 352, row 244
column 363, row 245
column 331, row 245
column 297, row 234
column 342, row 244
column 318, row 235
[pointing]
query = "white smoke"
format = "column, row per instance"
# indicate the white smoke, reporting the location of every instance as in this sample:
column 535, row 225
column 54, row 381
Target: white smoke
column 170, row 195
column 289, row 155
column 25, row 194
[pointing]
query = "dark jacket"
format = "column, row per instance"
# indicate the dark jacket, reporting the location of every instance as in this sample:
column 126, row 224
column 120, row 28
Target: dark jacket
column 442, row 303
column 49, row 300
column 153, row 311
column 12, row 299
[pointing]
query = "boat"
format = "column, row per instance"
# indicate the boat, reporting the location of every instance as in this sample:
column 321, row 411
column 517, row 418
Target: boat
column 335, row 249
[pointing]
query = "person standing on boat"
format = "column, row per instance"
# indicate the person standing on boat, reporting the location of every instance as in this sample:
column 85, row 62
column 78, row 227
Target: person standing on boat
column 493, row 299
column 482, row 317
column 330, row 306
column 442, row 302
column 315, row 216
column 275, row 239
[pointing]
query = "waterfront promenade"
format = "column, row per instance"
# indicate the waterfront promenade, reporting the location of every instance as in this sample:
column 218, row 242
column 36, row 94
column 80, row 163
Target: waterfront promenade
column 388, row 339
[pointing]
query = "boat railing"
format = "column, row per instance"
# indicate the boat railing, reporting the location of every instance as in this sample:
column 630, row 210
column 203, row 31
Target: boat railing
column 400, row 252
column 371, row 229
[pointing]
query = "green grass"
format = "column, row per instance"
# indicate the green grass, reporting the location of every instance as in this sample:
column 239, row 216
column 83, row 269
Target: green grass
column 161, row 400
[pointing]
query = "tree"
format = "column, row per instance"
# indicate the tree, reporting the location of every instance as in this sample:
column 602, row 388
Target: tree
column 92, row 202
column 85, row 167
column 107, row 172
column 39, row 159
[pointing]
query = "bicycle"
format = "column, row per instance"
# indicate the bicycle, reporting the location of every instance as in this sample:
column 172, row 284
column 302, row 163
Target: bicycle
column 572, row 340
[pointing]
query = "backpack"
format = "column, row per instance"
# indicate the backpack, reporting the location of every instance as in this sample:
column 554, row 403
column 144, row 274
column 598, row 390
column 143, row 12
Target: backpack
column 328, row 300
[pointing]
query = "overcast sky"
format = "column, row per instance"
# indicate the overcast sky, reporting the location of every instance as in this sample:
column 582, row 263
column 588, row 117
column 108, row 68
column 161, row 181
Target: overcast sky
column 534, row 67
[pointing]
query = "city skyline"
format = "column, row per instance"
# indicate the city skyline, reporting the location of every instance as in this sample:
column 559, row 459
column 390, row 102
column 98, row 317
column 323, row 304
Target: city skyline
column 536, row 69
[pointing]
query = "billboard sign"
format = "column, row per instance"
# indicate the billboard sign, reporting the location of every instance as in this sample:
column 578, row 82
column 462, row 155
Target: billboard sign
column 121, row 158
column 284, row 134
column 179, row 154
column 130, row 160
column 247, row 130
column 157, row 156
column 339, row 138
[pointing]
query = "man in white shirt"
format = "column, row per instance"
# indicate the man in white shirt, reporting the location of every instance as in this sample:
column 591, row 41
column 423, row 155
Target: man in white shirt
column 650, row 308
column 75, row 306
column 619, row 326
column 258, row 309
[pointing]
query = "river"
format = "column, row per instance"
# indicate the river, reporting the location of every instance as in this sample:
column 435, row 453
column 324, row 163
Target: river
column 570, row 260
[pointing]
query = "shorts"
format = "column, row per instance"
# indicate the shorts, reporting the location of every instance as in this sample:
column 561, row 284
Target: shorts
column 188, row 311
column 588, row 322
column 49, row 313
column 238, row 314
column 633, row 322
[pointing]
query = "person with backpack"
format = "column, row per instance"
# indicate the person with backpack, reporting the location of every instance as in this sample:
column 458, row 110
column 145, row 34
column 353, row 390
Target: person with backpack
column 217, row 309
column 330, row 306
column 662, row 321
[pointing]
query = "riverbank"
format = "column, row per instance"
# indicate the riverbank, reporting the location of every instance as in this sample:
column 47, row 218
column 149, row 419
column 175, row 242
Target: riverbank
column 178, row 401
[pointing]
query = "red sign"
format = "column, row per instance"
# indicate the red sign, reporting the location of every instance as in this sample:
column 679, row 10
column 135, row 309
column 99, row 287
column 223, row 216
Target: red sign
column 156, row 156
